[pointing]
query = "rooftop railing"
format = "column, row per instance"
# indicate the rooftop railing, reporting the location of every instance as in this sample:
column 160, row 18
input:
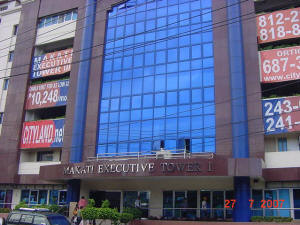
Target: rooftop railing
column 158, row 154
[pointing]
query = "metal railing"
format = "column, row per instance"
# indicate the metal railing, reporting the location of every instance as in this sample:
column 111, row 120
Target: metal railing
column 158, row 154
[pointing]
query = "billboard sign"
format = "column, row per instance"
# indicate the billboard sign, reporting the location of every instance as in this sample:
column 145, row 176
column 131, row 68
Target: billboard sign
column 54, row 63
column 280, row 65
column 281, row 115
column 47, row 95
column 43, row 134
column 278, row 25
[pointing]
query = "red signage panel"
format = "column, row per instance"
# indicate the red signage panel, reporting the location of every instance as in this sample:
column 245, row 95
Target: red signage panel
column 53, row 63
column 280, row 65
column 47, row 94
column 278, row 25
column 43, row 134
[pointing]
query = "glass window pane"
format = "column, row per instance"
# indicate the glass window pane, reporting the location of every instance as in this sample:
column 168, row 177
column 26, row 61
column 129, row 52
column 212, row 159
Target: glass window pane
column 172, row 81
column 148, row 101
column 208, row 77
column 114, row 104
column 53, row 198
column 168, row 203
column 25, row 196
column 171, row 98
column 207, row 50
column 197, row 95
column 218, row 204
column 149, row 58
column 137, row 85
column 284, row 194
column 197, row 145
column 209, row 94
column 126, row 87
column 148, row 84
column 184, row 80
column 184, row 97
column 43, row 195
column 136, row 102
column 196, row 78
column 172, row 55
column 196, row 51
column 159, row 99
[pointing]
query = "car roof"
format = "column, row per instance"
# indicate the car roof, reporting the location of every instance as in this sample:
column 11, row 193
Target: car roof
column 38, row 213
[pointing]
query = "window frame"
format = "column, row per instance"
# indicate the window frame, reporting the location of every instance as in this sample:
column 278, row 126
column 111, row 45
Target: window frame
column 41, row 154
column 11, row 55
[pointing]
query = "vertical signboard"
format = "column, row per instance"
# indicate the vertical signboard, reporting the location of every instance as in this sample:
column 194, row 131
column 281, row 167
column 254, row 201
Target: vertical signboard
column 278, row 25
column 43, row 134
column 54, row 63
column 280, row 65
column 281, row 115
column 47, row 94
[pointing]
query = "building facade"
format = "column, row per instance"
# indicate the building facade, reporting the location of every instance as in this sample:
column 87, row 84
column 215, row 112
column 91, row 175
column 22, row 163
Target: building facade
column 10, row 12
column 169, row 102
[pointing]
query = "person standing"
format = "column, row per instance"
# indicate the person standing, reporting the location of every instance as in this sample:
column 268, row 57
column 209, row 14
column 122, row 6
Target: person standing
column 79, row 215
column 82, row 202
column 204, row 207
column 137, row 203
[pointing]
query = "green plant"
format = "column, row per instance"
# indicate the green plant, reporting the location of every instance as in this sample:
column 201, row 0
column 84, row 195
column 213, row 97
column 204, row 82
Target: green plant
column 5, row 210
column 270, row 219
column 126, row 217
column 137, row 213
column 105, row 204
column 91, row 203
column 21, row 205
column 43, row 206
column 54, row 208
column 89, row 213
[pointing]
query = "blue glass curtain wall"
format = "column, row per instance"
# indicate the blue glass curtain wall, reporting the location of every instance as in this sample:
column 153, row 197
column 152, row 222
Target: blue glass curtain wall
column 158, row 77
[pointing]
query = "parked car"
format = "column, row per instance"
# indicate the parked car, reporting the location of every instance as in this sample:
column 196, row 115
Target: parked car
column 28, row 216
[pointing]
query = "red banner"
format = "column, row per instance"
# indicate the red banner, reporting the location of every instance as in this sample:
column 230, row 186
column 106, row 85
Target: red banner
column 280, row 65
column 47, row 94
column 43, row 134
column 53, row 63
column 278, row 25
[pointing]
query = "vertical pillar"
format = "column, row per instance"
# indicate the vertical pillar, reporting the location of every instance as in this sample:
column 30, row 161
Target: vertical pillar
column 242, row 211
column 83, row 82
column 239, row 115
column 73, row 191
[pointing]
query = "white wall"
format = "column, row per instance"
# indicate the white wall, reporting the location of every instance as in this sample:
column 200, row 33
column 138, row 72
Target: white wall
column 56, row 32
column 282, row 159
column 33, row 167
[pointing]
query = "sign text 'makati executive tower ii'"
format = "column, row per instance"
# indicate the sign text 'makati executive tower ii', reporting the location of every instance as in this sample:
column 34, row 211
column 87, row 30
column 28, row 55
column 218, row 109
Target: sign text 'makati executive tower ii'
column 155, row 100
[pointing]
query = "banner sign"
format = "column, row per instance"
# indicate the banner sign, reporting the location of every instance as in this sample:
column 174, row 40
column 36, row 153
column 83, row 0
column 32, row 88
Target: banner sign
column 43, row 134
column 47, row 94
column 280, row 65
column 278, row 25
column 53, row 63
column 281, row 115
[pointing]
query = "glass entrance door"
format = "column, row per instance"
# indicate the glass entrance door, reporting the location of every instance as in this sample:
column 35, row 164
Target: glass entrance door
column 114, row 197
column 296, row 193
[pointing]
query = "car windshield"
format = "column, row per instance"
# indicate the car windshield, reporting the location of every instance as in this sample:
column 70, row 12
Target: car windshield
column 58, row 220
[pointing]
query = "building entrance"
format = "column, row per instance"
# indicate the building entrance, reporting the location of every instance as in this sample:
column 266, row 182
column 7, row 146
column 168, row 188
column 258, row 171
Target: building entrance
column 114, row 197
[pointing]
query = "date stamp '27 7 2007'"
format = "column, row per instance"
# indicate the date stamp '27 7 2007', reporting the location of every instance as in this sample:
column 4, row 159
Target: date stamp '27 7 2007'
column 231, row 203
